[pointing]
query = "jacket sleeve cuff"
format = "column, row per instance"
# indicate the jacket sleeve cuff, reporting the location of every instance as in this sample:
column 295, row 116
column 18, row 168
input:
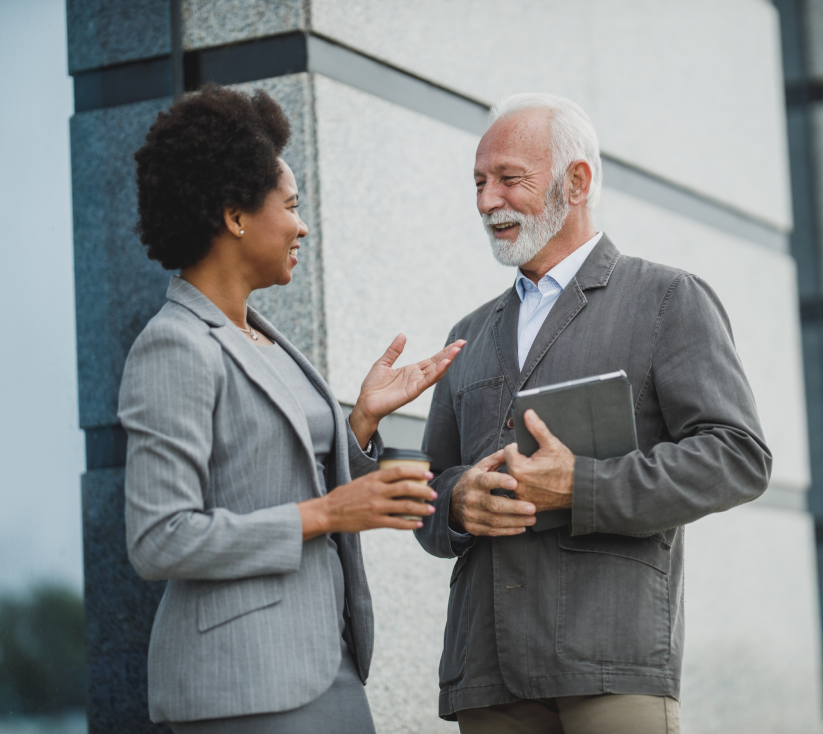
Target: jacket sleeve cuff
column 436, row 536
column 460, row 542
column 287, row 551
column 583, row 497
column 360, row 462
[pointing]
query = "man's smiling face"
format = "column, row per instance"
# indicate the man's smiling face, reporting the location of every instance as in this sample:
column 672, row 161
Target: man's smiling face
column 522, row 207
column 513, row 167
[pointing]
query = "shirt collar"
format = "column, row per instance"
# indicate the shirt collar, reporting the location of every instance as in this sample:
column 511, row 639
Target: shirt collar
column 564, row 271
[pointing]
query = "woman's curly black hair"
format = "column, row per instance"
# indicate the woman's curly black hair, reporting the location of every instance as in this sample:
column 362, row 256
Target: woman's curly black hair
column 213, row 148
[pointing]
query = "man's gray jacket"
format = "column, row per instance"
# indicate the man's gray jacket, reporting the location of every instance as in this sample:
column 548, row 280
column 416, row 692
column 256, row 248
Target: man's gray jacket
column 596, row 606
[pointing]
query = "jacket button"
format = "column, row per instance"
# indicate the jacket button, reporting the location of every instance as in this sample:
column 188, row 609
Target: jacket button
column 510, row 423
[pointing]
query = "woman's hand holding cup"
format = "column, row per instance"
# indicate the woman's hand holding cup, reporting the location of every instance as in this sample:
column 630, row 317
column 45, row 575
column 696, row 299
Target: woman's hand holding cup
column 372, row 501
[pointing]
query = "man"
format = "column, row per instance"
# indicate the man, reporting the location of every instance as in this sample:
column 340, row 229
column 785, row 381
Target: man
column 578, row 628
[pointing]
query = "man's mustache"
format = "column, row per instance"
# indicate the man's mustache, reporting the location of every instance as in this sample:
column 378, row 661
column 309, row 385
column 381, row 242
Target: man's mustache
column 502, row 216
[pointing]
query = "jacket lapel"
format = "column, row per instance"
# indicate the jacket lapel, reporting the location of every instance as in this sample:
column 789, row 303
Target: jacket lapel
column 594, row 273
column 249, row 359
column 505, row 335
column 340, row 430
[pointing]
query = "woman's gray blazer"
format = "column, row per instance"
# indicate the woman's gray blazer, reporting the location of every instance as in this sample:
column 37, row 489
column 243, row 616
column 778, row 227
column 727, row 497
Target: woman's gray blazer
column 219, row 453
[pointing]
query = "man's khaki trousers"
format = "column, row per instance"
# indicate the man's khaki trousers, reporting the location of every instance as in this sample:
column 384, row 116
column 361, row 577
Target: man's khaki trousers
column 608, row 714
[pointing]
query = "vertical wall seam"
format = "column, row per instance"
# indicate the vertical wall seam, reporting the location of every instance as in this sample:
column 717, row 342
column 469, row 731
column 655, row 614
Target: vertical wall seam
column 313, row 180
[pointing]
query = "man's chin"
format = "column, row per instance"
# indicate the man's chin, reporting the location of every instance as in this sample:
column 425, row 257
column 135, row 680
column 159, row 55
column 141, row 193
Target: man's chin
column 506, row 254
column 513, row 254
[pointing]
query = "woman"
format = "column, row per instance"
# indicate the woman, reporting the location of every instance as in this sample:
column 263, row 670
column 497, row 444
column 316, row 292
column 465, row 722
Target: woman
column 235, row 442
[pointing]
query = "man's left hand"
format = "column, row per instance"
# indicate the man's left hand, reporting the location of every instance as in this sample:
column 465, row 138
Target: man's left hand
column 546, row 478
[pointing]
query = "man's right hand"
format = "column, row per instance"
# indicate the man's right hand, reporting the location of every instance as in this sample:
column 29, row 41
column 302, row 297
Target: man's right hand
column 482, row 513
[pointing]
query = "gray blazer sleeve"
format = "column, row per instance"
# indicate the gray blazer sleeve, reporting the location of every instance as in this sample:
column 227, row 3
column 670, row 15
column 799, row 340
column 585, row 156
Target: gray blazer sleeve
column 361, row 463
column 172, row 382
column 712, row 455
column 441, row 441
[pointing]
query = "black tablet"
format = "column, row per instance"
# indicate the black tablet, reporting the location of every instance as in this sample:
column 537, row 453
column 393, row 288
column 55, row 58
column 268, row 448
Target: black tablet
column 594, row 417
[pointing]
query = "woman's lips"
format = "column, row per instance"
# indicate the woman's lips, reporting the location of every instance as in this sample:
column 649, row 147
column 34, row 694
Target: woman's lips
column 293, row 255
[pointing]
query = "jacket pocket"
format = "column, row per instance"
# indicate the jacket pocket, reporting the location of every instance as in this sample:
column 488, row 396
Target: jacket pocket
column 229, row 600
column 478, row 416
column 455, row 638
column 613, row 604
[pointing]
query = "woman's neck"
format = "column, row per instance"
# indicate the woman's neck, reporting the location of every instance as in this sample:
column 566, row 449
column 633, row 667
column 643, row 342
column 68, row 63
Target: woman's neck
column 222, row 286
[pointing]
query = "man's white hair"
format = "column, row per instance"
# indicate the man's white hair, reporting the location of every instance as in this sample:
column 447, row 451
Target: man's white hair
column 573, row 137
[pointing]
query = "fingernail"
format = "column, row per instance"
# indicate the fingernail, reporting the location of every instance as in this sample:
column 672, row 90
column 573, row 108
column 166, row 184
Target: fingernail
column 434, row 495
column 431, row 509
column 530, row 508
column 429, row 475
column 419, row 525
column 511, row 484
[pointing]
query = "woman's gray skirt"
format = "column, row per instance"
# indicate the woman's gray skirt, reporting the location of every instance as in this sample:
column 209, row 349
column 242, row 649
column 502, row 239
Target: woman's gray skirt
column 342, row 709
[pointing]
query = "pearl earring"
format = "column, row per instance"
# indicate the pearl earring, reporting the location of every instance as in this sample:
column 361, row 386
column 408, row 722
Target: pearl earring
column 242, row 232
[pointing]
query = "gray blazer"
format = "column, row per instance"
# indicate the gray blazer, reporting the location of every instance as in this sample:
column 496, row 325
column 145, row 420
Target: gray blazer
column 595, row 606
column 219, row 454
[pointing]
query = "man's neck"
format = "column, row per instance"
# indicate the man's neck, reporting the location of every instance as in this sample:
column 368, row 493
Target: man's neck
column 575, row 232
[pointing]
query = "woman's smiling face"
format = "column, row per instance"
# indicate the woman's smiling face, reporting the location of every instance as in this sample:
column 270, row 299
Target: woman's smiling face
column 271, row 234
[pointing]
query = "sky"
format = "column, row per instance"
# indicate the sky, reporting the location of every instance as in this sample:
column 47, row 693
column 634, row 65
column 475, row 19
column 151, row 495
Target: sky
column 41, row 447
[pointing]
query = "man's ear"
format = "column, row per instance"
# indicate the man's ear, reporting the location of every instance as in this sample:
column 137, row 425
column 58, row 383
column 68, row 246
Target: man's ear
column 233, row 219
column 579, row 181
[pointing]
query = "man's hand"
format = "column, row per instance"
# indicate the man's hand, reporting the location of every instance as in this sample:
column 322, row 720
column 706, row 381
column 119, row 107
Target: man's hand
column 482, row 513
column 546, row 478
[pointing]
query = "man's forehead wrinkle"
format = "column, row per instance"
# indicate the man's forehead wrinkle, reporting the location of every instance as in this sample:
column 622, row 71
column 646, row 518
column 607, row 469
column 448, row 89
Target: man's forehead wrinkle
column 519, row 142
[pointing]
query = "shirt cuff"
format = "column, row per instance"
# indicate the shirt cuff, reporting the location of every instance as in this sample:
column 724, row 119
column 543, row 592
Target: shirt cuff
column 458, row 541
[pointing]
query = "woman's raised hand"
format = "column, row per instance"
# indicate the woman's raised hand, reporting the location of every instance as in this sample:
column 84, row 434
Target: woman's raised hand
column 371, row 501
column 386, row 389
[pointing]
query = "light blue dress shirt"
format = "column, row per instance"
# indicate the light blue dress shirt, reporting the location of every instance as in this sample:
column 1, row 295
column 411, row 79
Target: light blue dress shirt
column 537, row 300
column 535, row 303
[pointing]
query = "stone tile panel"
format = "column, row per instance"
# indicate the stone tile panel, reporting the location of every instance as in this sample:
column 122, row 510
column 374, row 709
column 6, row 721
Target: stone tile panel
column 102, row 32
column 217, row 22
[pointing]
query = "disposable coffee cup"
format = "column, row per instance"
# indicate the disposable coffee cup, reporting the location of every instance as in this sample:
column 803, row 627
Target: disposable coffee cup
column 406, row 457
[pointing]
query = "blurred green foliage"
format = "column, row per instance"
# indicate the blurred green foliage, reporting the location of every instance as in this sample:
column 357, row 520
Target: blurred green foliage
column 42, row 652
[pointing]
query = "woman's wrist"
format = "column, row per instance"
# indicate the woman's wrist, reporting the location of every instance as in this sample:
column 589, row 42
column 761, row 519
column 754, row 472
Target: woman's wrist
column 314, row 517
column 363, row 425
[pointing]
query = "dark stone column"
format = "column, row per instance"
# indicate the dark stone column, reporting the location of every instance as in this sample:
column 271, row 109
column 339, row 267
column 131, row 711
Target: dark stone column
column 118, row 289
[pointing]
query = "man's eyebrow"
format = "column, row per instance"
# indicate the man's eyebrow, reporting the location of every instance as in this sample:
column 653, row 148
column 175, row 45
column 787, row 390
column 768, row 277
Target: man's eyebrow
column 293, row 196
column 508, row 168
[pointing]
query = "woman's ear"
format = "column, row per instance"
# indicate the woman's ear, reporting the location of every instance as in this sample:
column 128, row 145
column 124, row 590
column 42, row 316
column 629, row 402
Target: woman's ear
column 233, row 219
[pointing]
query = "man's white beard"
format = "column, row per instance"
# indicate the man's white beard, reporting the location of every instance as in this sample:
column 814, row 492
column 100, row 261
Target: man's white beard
column 535, row 229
